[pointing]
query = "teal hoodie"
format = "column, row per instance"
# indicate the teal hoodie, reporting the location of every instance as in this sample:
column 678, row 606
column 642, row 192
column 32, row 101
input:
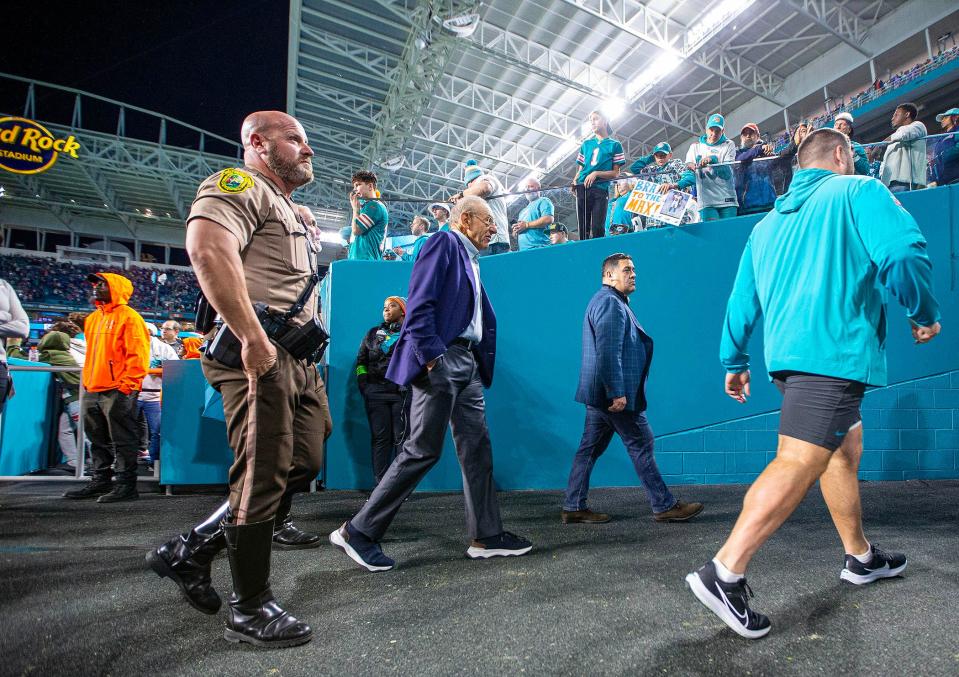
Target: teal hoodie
column 813, row 268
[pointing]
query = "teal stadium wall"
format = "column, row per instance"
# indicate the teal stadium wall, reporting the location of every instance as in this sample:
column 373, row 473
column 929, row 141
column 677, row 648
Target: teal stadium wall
column 684, row 276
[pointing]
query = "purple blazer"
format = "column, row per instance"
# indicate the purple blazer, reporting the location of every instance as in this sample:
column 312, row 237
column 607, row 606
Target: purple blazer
column 439, row 307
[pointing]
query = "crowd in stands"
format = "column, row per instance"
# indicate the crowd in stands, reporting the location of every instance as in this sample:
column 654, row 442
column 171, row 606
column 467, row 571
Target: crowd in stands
column 724, row 178
column 110, row 366
column 49, row 281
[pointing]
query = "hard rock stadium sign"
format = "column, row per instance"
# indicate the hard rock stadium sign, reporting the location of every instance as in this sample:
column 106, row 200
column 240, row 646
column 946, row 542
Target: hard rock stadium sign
column 27, row 147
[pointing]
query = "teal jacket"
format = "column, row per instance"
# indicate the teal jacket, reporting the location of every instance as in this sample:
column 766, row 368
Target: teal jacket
column 813, row 268
column 860, row 159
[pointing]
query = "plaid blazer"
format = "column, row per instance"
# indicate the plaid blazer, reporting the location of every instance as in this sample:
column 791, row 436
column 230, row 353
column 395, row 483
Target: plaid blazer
column 616, row 353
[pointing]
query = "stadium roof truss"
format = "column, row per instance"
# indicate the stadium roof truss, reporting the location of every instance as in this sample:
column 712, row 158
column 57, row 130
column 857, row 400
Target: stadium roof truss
column 413, row 88
column 418, row 98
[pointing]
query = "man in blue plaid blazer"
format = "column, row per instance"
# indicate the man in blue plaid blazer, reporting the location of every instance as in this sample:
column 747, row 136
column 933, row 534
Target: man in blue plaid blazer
column 617, row 354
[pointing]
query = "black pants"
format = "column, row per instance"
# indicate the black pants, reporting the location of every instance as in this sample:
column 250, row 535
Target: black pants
column 110, row 423
column 387, row 414
column 591, row 211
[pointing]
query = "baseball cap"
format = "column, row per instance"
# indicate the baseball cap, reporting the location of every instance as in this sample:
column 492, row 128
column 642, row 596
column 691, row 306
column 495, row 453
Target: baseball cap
column 558, row 227
column 662, row 147
column 750, row 125
column 951, row 111
column 440, row 205
column 716, row 120
column 845, row 116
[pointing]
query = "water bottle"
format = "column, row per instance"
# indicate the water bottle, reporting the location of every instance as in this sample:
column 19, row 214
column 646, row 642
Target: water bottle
column 33, row 355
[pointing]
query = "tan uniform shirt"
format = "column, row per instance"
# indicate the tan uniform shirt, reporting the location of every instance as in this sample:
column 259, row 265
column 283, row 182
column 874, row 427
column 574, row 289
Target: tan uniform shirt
column 275, row 246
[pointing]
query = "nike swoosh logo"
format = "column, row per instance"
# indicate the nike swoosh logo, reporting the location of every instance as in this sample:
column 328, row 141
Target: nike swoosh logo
column 841, row 433
column 884, row 567
column 742, row 616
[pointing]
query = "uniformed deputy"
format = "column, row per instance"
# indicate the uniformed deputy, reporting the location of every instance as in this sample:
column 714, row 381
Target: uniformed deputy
column 248, row 245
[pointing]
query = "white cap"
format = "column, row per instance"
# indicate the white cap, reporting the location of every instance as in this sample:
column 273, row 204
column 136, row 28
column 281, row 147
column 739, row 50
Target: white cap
column 845, row 116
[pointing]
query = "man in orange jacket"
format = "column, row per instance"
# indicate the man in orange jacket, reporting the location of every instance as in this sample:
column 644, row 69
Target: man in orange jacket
column 118, row 354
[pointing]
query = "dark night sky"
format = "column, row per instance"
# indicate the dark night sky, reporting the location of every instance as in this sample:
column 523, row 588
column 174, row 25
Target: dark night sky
column 206, row 63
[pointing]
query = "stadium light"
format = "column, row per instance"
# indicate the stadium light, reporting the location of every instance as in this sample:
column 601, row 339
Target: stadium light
column 331, row 236
column 462, row 26
column 613, row 107
column 662, row 66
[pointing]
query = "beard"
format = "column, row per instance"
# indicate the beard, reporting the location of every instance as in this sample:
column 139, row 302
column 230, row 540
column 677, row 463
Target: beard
column 295, row 173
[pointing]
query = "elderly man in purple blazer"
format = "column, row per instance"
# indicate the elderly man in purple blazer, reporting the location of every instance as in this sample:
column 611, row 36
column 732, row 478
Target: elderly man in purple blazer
column 445, row 354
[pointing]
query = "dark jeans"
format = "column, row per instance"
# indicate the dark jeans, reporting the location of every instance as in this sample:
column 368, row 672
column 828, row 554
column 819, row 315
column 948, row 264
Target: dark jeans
column 449, row 395
column 591, row 211
column 151, row 410
column 110, row 423
column 387, row 415
column 632, row 428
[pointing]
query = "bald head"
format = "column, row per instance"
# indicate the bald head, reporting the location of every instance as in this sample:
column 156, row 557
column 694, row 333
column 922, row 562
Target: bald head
column 826, row 149
column 275, row 143
column 263, row 122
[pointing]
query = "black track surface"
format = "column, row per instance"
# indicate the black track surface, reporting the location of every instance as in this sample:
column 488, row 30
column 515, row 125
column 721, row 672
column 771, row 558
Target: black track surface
column 609, row 599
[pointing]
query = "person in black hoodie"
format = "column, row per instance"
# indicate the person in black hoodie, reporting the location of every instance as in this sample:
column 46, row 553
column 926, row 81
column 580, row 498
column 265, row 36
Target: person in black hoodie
column 385, row 401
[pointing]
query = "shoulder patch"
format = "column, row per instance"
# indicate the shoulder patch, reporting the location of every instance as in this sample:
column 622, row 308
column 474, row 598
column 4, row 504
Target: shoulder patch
column 234, row 181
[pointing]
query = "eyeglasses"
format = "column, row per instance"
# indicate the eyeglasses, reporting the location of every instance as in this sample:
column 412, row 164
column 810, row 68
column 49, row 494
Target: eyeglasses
column 488, row 220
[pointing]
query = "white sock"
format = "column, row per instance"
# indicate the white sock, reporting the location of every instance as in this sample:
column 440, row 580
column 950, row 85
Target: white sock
column 725, row 575
column 866, row 556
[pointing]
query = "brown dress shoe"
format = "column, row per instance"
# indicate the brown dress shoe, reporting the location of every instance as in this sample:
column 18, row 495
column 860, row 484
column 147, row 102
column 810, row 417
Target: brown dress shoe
column 584, row 517
column 680, row 512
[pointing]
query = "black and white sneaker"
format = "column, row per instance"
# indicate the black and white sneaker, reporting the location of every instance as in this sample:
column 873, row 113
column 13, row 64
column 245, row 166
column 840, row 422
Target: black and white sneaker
column 729, row 601
column 882, row 565
column 505, row 544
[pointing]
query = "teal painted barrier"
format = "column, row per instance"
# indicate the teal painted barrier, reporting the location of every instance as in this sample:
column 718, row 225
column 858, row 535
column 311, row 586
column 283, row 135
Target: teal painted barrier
column 684, row 277
column 193, row 447
column 28, row 425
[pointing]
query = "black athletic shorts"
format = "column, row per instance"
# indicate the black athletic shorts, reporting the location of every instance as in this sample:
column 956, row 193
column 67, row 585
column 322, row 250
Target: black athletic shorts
column 818, row 409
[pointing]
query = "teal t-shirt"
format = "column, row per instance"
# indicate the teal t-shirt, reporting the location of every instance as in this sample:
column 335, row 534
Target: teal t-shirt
column 414, row 251
column 372, row 221
column 599, row 155
column 618, row 220
column 533, row 238
column 813, row 268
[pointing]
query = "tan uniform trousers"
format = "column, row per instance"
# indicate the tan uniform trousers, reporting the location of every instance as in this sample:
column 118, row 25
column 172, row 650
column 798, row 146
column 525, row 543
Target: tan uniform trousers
column 275, row 427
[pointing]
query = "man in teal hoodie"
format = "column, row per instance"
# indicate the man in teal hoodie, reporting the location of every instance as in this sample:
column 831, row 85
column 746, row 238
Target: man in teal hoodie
column 812, row 269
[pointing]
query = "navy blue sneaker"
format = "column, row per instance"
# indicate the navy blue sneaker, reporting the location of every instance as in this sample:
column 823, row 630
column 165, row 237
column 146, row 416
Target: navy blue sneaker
column 729, row 601
column 882, row 565
column 505, row 544
column 365, row 552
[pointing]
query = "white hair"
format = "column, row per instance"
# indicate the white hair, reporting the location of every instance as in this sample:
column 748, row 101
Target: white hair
column 467, row 205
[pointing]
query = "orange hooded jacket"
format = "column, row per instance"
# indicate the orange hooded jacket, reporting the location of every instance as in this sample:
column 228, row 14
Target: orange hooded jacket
column 118, row 346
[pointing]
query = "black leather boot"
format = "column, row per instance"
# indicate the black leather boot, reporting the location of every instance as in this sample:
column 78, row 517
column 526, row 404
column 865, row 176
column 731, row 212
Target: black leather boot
column 186, row 561
column 254, row 615
column 96, row 487
column 122, row 491
column 286, row 536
